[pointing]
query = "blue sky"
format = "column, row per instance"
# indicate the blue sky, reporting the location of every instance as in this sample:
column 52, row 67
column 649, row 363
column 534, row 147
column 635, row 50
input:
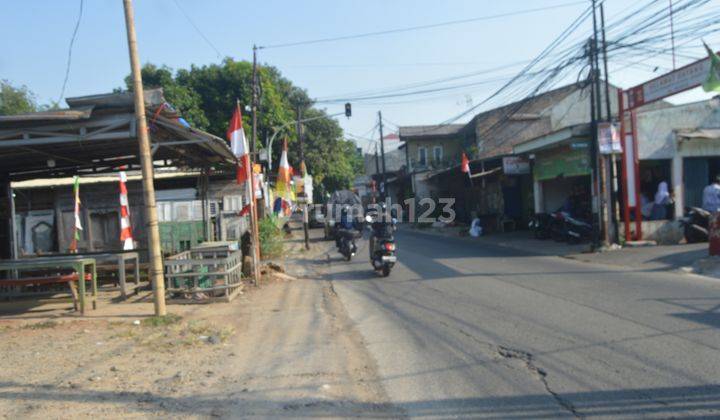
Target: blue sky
column 39, row 33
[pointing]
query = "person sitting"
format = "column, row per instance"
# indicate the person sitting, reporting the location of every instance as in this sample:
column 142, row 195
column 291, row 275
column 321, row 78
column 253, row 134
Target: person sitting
column 662, row 199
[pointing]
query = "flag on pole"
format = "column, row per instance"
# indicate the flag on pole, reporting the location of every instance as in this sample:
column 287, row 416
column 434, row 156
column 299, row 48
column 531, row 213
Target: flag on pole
column 465, row 165
column 125, row 227
column 239, row 145
column 78, row 225
column 712, row 83
column 284, row 174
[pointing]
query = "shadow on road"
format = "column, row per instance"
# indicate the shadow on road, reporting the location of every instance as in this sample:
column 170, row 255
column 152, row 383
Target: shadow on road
column 693, row 401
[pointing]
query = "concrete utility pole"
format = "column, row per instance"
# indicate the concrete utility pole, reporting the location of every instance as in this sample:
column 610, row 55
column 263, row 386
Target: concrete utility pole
column 602, row 172
column 251, row 178
column 146, row 162
column 300, row 135
column 382, row 157
column 614, row 206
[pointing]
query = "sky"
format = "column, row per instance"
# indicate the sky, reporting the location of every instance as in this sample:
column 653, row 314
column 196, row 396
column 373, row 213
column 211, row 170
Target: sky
column 40, row 33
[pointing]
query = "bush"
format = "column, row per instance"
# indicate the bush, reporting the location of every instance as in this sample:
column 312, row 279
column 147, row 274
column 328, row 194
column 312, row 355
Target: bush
column 271, row 237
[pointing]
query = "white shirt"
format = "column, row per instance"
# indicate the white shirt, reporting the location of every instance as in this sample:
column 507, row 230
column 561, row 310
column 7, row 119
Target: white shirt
column 711, row 198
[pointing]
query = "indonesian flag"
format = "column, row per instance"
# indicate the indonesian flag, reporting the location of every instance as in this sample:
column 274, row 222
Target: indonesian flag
column 284, row 173
column 239, row 145
column 465, row 165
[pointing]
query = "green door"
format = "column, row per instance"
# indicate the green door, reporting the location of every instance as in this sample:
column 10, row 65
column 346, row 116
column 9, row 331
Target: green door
column 695, row 177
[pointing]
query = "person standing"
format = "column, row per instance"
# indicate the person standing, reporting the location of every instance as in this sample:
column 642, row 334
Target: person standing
column 711, row 196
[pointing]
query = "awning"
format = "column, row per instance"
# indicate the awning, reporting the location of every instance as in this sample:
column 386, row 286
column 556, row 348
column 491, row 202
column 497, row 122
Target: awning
column 703, row 133
column 98, row 134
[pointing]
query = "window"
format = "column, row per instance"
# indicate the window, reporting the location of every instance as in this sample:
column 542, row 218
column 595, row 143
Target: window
column 422, row 156
column 437, row 153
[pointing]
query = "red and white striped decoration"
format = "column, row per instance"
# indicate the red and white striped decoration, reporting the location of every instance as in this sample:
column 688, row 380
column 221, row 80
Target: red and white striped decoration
column 125, row 229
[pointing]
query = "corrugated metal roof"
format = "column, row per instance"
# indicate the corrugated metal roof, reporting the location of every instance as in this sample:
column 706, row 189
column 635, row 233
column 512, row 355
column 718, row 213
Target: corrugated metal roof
column 80, row 113
column 430, row 130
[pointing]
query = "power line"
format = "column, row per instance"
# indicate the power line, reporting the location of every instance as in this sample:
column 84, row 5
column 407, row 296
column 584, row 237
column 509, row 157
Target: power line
column 70, row 49
column 187, row 17
column 421, row 27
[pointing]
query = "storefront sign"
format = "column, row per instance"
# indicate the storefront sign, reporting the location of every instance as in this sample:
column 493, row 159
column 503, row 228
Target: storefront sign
column 609, row 138
column 562, row 163
column 516, row 165
column 669, row 84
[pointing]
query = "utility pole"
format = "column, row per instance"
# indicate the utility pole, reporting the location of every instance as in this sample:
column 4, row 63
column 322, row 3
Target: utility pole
column 382, row 156
column 614, row 207
column 602, row 196
column 672, row 33
column 251, row 178
column 377, row 160
column 302, row 173
column 254, row 103
column 594, row 183
column 154, row 252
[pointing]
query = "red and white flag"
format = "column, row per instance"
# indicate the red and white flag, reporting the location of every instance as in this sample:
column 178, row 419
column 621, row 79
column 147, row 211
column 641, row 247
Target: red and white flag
column 239, row 145
column 465, row 165
column 284, row 173
column 125, row 228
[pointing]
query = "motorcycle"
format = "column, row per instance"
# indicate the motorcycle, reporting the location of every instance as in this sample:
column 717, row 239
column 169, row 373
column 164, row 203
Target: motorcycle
column 540, row 226
column 695, row 225
column 577, row 230
column 346, row 243
column 382, row 249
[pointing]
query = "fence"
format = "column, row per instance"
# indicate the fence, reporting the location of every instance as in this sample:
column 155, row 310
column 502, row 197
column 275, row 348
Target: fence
column 204, row 274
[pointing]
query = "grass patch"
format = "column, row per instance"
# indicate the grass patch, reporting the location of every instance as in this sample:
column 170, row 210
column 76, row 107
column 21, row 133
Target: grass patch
column 271, row 237
column 172, row 335
column 161, row 321
column 41, row 325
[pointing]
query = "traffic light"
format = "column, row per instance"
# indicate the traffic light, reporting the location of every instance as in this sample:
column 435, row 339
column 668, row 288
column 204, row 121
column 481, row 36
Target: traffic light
column 348, row 110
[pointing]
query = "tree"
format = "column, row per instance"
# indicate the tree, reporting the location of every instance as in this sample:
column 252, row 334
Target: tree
column 205, row 96
column 16, row 100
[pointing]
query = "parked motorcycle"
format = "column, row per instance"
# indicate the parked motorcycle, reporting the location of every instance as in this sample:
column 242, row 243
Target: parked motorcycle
column 540, row 226
column 695, row 225
column 561, row 227
column 382, row 245
column 576, row 230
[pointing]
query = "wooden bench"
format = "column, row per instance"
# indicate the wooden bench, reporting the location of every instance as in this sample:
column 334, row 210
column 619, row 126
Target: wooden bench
column 57, row 267
column 69, row 278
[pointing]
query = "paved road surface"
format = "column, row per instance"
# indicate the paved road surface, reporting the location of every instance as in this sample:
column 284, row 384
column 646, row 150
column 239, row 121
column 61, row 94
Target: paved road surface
column 467, row 329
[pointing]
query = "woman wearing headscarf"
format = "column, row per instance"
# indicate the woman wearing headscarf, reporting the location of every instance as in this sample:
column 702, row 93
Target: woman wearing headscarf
column 662, row 199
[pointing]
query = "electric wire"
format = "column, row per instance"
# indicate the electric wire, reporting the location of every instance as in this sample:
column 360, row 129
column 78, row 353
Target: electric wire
column 70, row 50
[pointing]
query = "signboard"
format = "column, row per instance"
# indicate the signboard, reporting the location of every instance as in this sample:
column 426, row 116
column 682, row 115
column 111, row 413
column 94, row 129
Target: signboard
column 680, row 80
column 563, row 163
column 515, row 165
column 609, row 138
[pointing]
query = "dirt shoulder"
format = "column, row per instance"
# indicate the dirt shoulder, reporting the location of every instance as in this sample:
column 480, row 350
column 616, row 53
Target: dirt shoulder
column 286, row 349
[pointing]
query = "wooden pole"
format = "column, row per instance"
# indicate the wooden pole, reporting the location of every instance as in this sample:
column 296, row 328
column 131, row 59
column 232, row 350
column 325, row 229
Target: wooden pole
column 153, row 232
column 254, row 231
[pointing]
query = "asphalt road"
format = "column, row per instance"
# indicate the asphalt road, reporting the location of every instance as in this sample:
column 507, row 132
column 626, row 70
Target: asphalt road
column 471, row 330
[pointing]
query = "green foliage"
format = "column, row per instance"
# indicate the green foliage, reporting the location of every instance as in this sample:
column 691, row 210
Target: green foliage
column 206, row 95
column 16, row 100
column 271, row 237
column 161, row 321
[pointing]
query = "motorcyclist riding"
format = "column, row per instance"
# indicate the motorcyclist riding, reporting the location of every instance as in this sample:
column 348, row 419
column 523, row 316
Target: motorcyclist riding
column 346, row 232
